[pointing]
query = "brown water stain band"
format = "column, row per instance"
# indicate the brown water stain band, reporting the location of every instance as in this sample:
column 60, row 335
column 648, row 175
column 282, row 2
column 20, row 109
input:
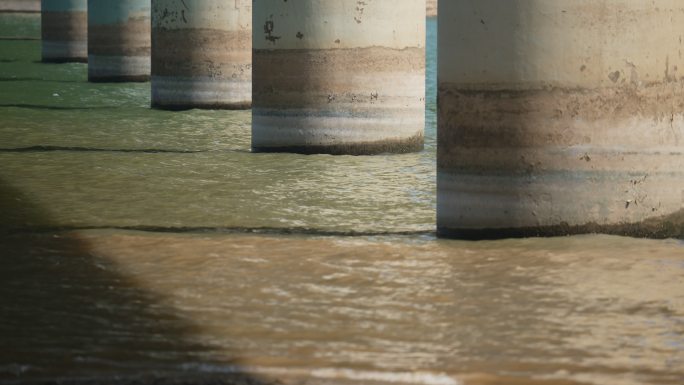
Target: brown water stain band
column 201, row 52
column 304, row 70
column 64, row 26
column 126, row 39
column 494, row 117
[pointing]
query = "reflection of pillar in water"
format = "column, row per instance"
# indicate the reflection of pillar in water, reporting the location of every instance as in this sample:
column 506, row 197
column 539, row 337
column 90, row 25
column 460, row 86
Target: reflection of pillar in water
column 64, row 30
column 339, row 77
column 560, row 117
column 118, row 40
column 201, row 54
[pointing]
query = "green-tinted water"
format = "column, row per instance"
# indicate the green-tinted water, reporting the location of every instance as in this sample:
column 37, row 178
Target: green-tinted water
column 84, row 296
column 125, row 164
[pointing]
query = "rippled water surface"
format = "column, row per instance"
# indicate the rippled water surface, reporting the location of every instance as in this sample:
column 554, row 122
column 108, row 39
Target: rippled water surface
column 140, row 242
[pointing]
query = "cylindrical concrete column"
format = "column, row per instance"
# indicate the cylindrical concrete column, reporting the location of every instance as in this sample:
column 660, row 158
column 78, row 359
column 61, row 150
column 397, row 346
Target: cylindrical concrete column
column 560, row 117
column 339, row 77
column 118, row 40
column 201, row 54
column 64, row 30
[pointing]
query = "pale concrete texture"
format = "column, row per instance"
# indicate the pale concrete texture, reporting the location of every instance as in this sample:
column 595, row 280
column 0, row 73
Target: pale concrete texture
column 19, row 5
column 431, row 8
column 64, row 30
column 201, row 54
column 118, row 40
column 560, row 117
column 339, row 77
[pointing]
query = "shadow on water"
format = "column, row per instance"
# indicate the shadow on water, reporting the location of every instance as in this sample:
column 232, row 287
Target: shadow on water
column 71, row 316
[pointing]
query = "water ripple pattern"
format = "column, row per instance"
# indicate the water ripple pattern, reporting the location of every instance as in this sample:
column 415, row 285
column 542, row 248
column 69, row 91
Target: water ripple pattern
column 96, row 155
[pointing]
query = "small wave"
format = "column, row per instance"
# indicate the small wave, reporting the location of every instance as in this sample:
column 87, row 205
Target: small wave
column 93, row 149
column 419, row 378
column 227, row 230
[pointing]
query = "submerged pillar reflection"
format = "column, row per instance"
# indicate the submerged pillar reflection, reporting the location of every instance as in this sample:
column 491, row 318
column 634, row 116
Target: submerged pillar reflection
column 339, row 77
column 560, row 117
column 64, row 30
column 201, row 54
column 118, row 40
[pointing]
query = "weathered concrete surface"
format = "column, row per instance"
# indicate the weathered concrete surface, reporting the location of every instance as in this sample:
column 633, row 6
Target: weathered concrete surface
column 560, row 118
column 19, row 5
column 201, row 54
column 118, row 40
column 431, row 8
column 64, row 30
column 342, row 77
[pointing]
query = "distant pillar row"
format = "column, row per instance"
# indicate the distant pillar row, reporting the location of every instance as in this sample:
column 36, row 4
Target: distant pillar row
column 64, row 30
column 201, row 54
column 338, row 77
column 560, row 117
column 118, row 40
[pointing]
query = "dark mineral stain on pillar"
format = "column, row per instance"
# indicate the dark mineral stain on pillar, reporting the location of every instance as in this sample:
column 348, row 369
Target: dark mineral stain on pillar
column 118, row 40
column 560, row 117
column 339, row 77
column 201, row 54
column 64, row 31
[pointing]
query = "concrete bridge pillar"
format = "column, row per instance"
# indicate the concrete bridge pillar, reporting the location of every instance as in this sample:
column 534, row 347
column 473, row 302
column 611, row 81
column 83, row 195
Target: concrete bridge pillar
column 118, row 40
column 201, row 54
column 64, row 30
column 560, row 117
column 338, row 77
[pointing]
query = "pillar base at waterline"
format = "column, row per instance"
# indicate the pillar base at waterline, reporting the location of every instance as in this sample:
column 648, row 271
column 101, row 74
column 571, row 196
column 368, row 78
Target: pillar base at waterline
column 177, row 94
column 64, row 31
column 118, row 69
column 64, row 52
column 488, row 205
column 306, row 132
